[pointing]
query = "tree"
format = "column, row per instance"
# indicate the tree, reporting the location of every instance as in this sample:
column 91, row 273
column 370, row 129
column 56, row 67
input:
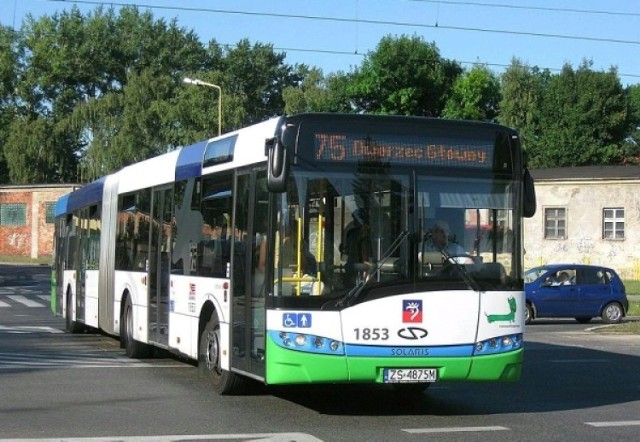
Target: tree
column 475, row 95
column 522, row 89
column 574, row 118
column 583, row 119
column 632, row 142
column 74, row 80
column 317, row 93
column 9, row 68
column 258, row 76
column 405, row 76
column 31, row 151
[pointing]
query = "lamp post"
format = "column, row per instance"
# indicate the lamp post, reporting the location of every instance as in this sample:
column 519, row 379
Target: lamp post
column 197, row 82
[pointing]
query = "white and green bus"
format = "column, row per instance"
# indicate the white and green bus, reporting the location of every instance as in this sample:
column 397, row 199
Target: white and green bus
column 301, row 250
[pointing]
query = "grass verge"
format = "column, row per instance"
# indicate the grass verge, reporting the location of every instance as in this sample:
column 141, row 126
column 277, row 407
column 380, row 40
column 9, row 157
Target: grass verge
column 625, row 328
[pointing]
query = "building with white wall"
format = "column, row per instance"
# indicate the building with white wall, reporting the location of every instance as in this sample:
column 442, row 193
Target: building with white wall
column 586, row 215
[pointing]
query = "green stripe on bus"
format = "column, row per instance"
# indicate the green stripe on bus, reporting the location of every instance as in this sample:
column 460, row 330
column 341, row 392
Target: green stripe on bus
column 285, row 366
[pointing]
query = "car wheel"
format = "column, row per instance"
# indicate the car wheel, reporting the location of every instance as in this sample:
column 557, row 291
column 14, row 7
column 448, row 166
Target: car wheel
column 583, row 319
column 528, row 314
column 612, row 313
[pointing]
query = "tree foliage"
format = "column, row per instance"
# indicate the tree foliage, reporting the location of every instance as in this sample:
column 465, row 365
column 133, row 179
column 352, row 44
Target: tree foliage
column 574, row 118
column 475, row 95
column 632, row 142
column 84, row 95
column 317, row 93
column 404, row 76
column 99, row 91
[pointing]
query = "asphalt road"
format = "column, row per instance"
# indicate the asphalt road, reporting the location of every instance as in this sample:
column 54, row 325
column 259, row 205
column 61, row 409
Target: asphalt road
column 576, row 386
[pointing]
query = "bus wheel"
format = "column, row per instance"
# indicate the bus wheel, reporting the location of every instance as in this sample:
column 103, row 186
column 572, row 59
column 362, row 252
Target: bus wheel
column 134, row 349
column 209, row 360
column 71, row 325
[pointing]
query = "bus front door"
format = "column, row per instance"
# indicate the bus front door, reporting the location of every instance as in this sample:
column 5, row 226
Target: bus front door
column 249, row 265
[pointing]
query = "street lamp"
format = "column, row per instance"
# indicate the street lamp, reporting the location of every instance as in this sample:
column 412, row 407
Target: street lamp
column 197, row 82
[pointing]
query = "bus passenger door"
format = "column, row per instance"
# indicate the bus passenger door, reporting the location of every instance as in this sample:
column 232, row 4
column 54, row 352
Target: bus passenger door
column 248, row 314
column 159, row 252
column 81, row 263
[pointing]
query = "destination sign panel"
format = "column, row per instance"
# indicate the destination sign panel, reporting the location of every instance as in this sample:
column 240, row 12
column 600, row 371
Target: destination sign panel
column 391, row 148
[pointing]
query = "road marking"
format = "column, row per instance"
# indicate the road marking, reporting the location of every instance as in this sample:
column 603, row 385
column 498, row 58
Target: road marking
column 46, row 298
column 4, row 304
column 454, row 429
column 272, row 437
column 79, row 360
column 20, row 329
column 614, row 424
column 22, row 300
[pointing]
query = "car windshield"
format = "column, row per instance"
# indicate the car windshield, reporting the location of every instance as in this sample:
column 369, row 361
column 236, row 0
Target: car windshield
column 533, row 274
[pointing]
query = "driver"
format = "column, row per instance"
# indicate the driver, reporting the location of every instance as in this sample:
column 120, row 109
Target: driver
column 439, row 241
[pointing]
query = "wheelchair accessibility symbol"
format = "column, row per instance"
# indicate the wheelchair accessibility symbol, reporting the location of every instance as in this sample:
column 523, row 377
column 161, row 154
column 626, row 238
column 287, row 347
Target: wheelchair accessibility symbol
column 293, row 320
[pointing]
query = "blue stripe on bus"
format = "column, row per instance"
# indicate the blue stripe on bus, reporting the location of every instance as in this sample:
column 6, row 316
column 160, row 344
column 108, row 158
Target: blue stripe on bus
column 409, row 352
column 189, row 163
column 61, row 205
column 85, row 196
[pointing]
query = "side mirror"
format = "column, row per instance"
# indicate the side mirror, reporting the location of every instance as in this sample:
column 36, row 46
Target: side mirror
column 277, row 165
column 529, row 196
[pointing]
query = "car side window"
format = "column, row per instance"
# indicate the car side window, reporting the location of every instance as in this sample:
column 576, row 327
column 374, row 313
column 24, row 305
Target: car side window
column 560, row 277
column 593, row 276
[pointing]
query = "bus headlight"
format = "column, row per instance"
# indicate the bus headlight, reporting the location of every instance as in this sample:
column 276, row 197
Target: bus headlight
column 307, row 343
column 500, row 344
column 301, row 340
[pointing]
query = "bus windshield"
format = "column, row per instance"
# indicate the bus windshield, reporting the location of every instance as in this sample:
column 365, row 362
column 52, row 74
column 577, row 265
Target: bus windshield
column 380, row 231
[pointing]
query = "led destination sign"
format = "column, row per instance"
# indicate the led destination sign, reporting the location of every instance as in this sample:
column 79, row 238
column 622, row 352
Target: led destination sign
column 436, row 151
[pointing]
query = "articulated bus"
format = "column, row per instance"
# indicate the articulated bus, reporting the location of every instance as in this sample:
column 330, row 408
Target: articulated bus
column 303, row 250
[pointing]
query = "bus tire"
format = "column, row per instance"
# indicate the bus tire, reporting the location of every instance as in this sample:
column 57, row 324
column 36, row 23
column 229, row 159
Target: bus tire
column 209, row 360
column 134, row 349
column 71, row 325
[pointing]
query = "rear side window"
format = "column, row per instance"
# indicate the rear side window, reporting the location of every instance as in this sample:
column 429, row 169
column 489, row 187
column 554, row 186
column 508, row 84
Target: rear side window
column 594, row 276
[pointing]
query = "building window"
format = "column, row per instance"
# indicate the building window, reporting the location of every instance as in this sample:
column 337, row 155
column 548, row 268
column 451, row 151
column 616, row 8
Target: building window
column 555, row 223
column 613, row 223
column 13, row 214
column 49, row 210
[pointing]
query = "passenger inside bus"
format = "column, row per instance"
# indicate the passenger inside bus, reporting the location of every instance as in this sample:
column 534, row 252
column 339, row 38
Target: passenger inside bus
column 356, row 247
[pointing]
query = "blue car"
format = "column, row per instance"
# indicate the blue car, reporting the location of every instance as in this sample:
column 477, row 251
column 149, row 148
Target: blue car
column 574, row 291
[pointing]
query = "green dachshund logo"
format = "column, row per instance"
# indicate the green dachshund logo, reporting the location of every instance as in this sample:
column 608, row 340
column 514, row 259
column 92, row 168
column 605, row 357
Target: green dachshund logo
column 509, row 317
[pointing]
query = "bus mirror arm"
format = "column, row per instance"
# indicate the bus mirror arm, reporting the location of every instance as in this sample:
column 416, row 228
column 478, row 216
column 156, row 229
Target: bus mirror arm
column 277, row 165
column 529, row 195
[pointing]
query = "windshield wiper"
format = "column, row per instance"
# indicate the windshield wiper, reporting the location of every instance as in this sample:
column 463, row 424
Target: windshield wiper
column 355, row 292
column 462, row 271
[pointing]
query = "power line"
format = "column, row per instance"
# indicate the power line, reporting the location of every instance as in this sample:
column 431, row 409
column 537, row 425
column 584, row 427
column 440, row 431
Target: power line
column 360, row 54
column 395, row 23
column 357, row 20
column 529, row 8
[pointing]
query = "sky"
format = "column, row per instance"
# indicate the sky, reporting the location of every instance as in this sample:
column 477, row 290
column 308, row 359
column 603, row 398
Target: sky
column 336, row 35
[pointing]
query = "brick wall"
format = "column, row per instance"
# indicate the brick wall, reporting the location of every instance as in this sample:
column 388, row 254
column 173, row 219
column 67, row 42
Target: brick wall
column 35, row 238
